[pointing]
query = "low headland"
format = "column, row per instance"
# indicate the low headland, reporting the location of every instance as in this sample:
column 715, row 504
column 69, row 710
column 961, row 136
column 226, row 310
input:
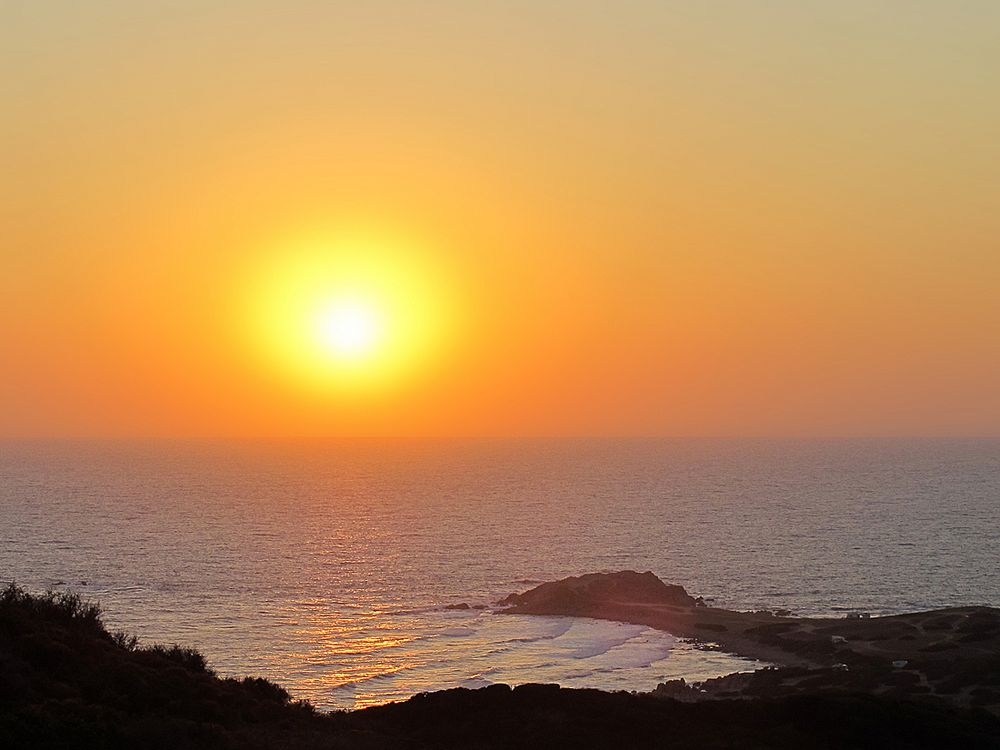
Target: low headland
column 950, row 656
column 67, row 682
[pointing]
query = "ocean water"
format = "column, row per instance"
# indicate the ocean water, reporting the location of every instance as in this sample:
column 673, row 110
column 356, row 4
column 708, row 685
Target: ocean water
column 328, row 565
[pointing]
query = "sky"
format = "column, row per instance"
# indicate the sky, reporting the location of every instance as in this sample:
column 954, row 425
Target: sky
column 562, row 218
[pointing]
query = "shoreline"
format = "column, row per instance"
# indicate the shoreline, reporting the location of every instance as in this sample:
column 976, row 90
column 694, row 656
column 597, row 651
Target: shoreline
column 677, row 622
column 951, row 655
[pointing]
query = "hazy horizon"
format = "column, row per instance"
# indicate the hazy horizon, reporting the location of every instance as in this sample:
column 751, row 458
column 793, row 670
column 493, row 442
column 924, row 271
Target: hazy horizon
column 457, row 437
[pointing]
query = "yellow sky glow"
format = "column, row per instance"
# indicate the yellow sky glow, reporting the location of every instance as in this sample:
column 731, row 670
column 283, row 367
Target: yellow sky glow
column 346, row 312
column 499, row 218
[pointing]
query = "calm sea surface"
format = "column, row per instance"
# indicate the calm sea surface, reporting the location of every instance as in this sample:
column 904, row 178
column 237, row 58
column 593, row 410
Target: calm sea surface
column 326, row 566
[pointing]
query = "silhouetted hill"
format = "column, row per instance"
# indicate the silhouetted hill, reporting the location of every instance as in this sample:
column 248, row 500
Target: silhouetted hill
column 66, row 682
column 579, row 593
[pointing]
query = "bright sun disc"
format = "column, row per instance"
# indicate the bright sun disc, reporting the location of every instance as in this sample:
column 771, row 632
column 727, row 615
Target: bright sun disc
column 351, row 314
column 348, row 328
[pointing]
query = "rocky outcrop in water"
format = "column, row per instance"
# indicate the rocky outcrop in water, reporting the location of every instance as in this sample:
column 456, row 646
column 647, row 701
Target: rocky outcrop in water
column 578, row 595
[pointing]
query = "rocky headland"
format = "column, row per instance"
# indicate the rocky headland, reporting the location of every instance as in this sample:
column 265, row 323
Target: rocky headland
column 945, row 655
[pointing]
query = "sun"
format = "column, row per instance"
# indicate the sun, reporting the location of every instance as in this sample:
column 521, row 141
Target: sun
column 350, row 313
column 348, row 328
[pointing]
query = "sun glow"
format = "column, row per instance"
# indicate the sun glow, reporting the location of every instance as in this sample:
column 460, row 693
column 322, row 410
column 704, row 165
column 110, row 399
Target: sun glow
column 351, row 313
column 348, row 328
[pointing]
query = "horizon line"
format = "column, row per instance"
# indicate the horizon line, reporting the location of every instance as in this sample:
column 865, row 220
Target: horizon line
column 516, row 436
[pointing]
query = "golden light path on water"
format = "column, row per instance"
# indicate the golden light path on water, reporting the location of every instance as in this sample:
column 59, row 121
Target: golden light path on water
column 371, row 656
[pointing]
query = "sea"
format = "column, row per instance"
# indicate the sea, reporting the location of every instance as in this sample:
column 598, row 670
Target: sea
column 335, row 567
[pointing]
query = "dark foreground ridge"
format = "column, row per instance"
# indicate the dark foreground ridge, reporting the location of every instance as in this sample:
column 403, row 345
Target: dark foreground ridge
column 949, row 656
column 66, row 682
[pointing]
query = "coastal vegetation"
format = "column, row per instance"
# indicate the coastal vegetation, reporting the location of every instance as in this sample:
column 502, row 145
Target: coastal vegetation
column 66, row 681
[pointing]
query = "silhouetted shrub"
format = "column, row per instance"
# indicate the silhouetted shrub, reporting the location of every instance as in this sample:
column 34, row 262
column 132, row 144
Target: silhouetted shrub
column 125, row 640
column 188, row 658
column 266, row 690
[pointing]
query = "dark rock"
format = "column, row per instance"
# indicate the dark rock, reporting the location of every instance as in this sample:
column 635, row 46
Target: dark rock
column 581, row 593
column 678, row 689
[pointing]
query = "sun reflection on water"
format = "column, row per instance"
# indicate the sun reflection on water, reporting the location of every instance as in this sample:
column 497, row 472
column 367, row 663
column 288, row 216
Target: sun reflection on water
column 354, row 659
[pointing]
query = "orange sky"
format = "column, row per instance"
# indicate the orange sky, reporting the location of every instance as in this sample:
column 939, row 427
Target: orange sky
column 636, row 218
